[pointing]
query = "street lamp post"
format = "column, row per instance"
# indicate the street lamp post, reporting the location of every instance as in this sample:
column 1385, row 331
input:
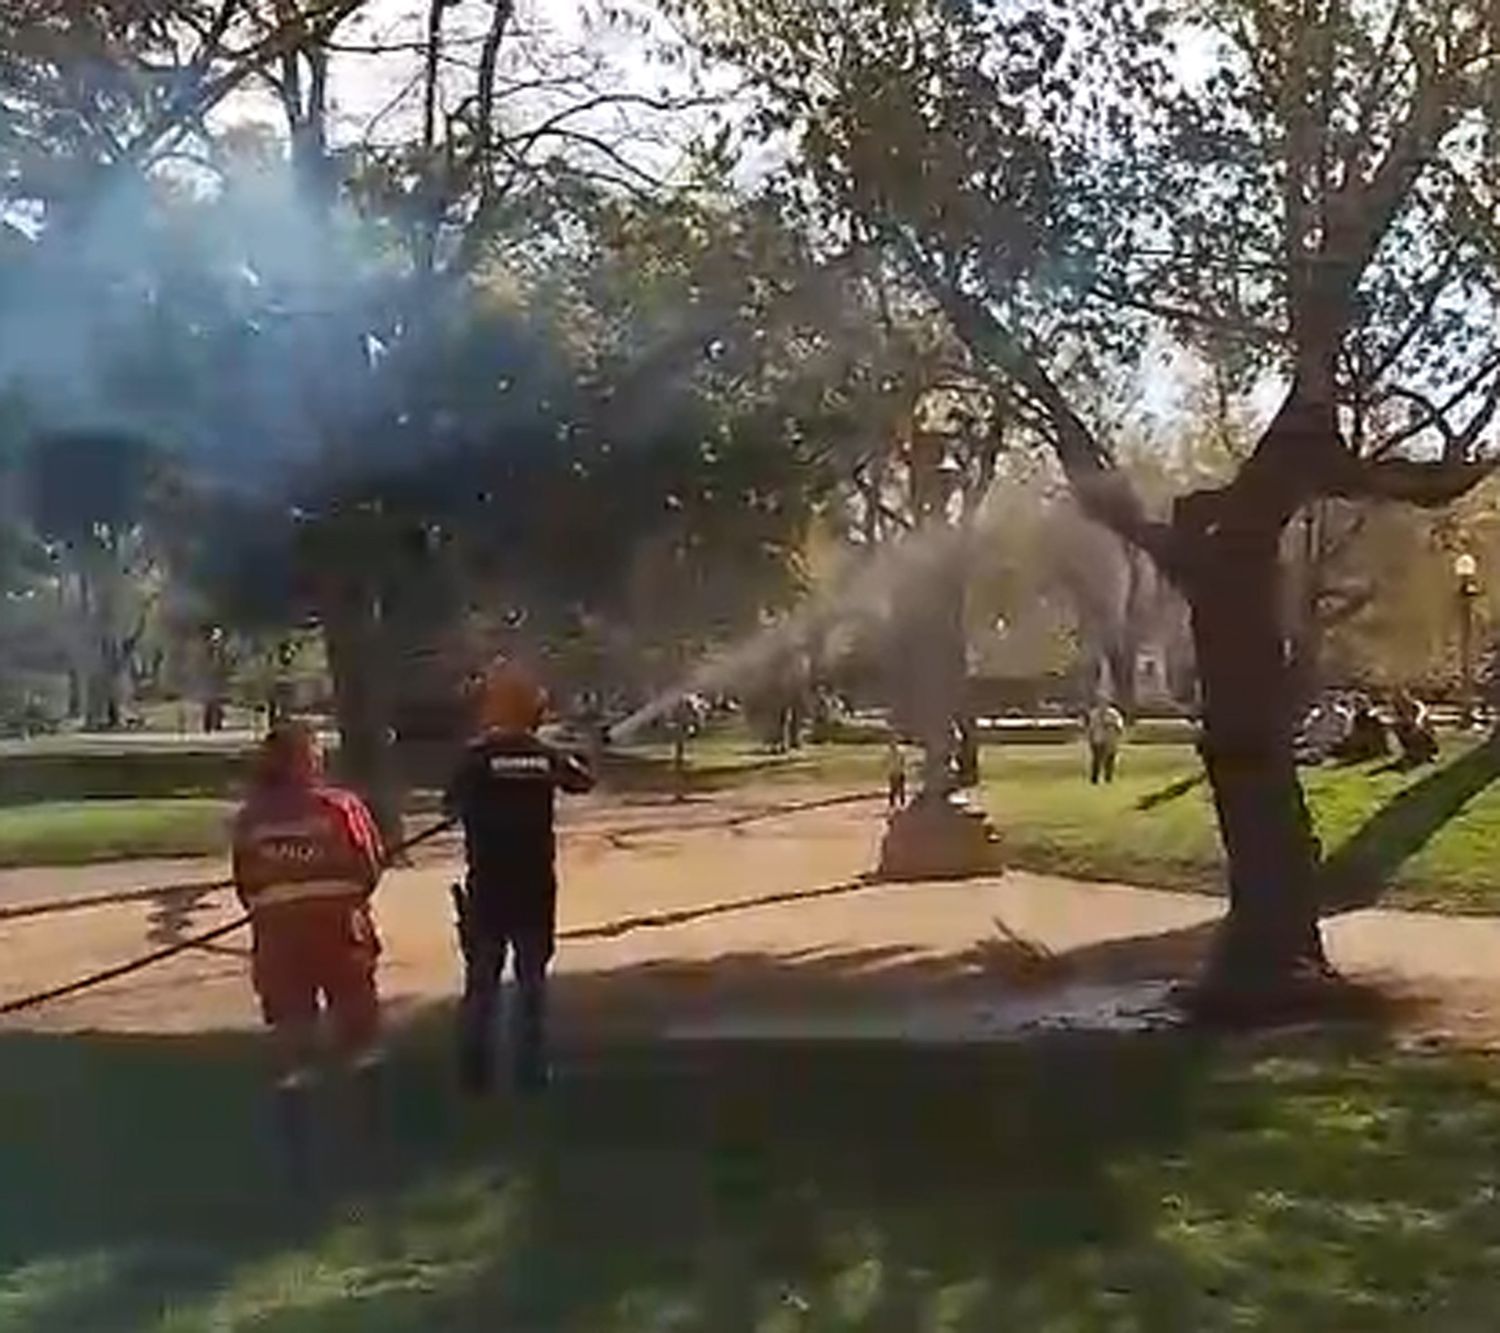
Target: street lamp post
column 1466, row 579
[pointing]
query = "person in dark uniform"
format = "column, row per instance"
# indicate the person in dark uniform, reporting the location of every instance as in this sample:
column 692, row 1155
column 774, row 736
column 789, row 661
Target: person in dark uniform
column 503, row 792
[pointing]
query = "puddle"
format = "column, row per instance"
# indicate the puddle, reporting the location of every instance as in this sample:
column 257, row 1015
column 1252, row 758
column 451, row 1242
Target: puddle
column 1143, row 1006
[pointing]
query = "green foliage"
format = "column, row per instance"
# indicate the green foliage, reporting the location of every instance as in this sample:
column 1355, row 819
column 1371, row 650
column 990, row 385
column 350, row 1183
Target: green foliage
column 1279, row 186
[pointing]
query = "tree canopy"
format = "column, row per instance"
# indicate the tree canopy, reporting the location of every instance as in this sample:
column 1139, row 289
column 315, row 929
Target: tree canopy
column 1305, row 187
column 1302, row 191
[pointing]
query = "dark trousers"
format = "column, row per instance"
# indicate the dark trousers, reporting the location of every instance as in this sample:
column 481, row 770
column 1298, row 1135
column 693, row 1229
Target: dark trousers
column 1102, row 763
column 895, row 791
column 484, row 967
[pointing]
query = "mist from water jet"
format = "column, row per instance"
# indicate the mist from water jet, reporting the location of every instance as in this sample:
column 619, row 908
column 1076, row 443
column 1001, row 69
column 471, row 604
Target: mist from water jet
column 869, row 587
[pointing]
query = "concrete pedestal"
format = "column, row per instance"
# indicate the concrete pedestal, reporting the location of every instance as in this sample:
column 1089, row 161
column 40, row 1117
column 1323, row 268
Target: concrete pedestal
column 944, row 838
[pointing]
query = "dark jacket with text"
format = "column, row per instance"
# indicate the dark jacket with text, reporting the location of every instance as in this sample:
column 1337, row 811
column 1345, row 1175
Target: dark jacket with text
column 504, row 792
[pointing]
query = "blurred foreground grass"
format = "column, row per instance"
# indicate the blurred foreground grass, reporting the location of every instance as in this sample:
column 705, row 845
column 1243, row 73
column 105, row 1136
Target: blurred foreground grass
column 1081, row 1183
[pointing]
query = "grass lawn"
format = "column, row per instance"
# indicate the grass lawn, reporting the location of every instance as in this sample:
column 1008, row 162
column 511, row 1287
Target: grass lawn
column 184, row 814
column 1432, row 836
column 1424, row 839
column 77, row 832
column 1088, row 1183
column 719, row 761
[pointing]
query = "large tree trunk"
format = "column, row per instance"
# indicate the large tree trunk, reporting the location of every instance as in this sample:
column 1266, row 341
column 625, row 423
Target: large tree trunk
column 104, row 694
column 358, row 664
column 1270, row 941
column 1307, row 632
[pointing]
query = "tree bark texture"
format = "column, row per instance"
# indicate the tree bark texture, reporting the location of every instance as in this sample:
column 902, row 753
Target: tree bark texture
column 358, row 664
column 1229, row 568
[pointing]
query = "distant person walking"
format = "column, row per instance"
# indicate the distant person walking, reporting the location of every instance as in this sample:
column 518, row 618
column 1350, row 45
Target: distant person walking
column 895, row 776
column 504, row 792
column 1104, row 728
column 965, row 753
column 307, row 856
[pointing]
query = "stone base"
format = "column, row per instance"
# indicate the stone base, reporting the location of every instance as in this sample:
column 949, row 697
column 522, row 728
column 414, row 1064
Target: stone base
column 941, row 839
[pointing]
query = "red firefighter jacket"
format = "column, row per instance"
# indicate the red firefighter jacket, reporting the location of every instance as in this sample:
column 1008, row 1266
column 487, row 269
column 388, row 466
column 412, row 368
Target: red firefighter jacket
column 301, row 843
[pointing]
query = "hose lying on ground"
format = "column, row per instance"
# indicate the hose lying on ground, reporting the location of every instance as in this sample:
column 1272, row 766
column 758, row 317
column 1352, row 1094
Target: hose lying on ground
column 145, row 960
column 619, row 835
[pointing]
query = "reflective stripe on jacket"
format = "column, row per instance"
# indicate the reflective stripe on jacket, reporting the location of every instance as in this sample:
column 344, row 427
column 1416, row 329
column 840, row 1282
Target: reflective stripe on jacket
column 293, row 844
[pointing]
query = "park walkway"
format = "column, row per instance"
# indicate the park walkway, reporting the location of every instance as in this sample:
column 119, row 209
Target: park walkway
column 717, row 919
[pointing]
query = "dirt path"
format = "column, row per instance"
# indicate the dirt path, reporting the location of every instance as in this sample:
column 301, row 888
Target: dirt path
column 742, row 914
column 40, row 889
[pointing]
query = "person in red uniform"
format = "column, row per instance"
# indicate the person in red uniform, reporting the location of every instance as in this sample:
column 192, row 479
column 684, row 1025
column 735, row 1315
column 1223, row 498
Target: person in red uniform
column 307, row 857
column 503, row 790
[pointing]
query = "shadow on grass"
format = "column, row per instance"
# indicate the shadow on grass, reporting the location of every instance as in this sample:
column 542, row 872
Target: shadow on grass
column 1354, row 875
column 626, row 772
column 669, row 1187
column 1091, row 1181
column 1172, row 791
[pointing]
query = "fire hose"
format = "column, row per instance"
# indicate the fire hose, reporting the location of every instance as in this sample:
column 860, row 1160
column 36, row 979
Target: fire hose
column 145, row 960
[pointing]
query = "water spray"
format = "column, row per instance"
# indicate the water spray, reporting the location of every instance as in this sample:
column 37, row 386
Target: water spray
column 867, row 586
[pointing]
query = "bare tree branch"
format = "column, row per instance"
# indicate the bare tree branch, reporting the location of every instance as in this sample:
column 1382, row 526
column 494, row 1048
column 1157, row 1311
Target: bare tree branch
column 1457, row 444
column 386, row 108
column 1104, row 492
column 606, row 150
column 1358, row 215
column 413, row 46
column 1364, row 211
column 1360, row 139
column 480, row 162
column 1431, row 417
column 489, row 57
column 202, row 92
column 1433, row 289
column 554, row 124
column 431, row 56
column 1204, row 319
column 1427, row 485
